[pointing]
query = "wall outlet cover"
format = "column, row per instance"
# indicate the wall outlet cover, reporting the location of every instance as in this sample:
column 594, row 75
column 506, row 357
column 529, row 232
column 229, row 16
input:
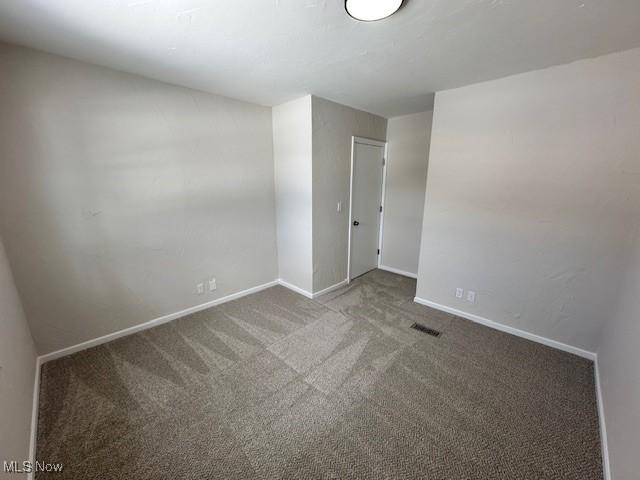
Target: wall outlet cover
column 459, row 292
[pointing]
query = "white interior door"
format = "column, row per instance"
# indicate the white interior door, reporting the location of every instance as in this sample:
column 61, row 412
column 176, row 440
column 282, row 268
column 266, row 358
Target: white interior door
column 366, row 201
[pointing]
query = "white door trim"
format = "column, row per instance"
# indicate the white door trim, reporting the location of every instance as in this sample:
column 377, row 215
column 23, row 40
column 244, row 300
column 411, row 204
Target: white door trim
column 382, row 200
column 375, row 143
column 368, row 141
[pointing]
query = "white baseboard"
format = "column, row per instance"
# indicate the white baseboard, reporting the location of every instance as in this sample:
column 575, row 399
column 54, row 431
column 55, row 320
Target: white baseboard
column 151, row 323
column 603, row 426
column 112, row 336
column 294, row 288
column 512, row 330
column 34, row 417
column 167, row 318
column 42, row 359
column 307, row 294
column 550, row 343
column 331, row 288
column 398, row 271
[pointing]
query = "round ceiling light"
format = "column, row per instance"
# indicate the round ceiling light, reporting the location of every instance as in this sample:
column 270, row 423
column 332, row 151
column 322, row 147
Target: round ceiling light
column 371, row 10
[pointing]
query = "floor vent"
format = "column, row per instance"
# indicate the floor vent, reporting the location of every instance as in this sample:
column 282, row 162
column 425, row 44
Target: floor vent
column 427, row 330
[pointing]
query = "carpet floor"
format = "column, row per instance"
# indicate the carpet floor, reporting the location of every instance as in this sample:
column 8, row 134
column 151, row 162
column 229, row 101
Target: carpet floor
column 275, row 385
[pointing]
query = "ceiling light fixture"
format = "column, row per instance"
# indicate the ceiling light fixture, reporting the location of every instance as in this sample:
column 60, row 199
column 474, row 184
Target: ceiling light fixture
column 372, row 10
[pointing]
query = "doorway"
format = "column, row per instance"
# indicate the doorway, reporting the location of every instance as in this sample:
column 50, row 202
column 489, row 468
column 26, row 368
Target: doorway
column 368, row 171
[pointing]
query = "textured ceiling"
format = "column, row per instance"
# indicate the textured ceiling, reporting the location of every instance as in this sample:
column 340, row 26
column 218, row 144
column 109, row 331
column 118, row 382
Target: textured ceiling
column 270, row 51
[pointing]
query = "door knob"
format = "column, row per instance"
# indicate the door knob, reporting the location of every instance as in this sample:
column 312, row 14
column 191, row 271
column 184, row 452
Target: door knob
column 356, row 223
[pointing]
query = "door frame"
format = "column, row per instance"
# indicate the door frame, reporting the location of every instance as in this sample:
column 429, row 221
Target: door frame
column 375, row 143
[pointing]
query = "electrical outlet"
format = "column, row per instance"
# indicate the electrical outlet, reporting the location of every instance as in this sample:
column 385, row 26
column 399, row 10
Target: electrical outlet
column 471, row 296
column 212, row 284
column 200, row 288
column 459, row 292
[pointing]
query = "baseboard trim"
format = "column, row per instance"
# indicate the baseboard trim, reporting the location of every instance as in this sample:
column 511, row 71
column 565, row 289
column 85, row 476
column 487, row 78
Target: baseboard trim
column 42, row 359
column 151, row 323
column 331, row 288
column 34, row 417
column 398, row 271
column 603, row 426
column 507, row 329
column 294, row 288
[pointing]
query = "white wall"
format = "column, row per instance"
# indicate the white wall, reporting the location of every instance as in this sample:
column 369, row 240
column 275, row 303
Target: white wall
column 118, row 194
column 17, row 370
column 333, row 126
column 619, row 367
column 292, row 157
column 408, row 140
column 531, row 193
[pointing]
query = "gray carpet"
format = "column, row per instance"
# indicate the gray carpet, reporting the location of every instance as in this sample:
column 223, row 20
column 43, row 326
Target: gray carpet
column 274, row 385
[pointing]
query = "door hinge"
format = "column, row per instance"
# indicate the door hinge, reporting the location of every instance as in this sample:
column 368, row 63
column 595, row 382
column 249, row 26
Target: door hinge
column 378, row 251
column 384, row 162
column 380, row 207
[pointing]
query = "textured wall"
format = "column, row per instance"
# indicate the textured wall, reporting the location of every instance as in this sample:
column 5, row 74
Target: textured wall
column 619, row 361
column 530, row 196
column 118, row 194
column 17, row 370
column 408, row 156
column 333, row 127
column 292, row 158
